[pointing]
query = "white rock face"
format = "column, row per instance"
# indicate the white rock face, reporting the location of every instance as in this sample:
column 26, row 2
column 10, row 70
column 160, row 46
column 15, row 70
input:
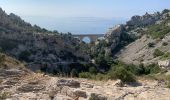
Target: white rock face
column 164, row 64
column 113, row 36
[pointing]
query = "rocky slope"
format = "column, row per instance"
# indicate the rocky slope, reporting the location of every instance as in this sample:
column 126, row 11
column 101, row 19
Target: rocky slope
column 129, row 42
column 153, row 38
column 36, row 46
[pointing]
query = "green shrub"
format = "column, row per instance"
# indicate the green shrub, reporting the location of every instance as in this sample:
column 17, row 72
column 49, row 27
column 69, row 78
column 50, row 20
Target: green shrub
column 2, row 58
column 73, row 73
column 92, row 70
column 164, row 44
column 85, row 75
column 168, row 81
column 4, row 95
column 100, row 77
column 151, row 45
column 158, row 30
column 165, row 56
column 121, row 73
column 152, row 69
column 24, row 55
column 158, row 53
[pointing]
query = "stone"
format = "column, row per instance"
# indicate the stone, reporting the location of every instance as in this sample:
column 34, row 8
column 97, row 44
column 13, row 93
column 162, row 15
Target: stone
column 86, row 85
column 80, row 93
column 30, row 88
column 95, row 96
column 118, row 83
column 69, row 83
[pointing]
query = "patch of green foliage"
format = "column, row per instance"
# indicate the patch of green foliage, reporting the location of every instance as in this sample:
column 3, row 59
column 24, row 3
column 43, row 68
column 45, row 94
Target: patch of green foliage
column 158, row 53
column 152, row 69
column 4, row 95
column 158, row 30
column 166, row 56
column 120, row 72
column 24, row 55
column 164, row 43
column 168, row 81
column 151, row 45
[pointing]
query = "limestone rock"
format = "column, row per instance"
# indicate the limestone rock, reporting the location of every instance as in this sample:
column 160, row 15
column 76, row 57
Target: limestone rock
column 112, row 37
column 86, row 85
column 95, row 96
column 118, row 83
column 70, row 83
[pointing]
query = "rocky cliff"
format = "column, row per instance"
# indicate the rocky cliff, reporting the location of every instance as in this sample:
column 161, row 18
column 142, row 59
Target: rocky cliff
column 37, row 46
column 121, row 35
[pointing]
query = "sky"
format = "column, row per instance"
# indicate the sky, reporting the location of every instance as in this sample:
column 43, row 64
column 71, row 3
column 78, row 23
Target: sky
column 83, row 8
column 35, row 11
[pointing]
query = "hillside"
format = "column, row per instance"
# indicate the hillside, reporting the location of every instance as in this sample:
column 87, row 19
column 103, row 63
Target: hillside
column 155, row 38
column 36, row 46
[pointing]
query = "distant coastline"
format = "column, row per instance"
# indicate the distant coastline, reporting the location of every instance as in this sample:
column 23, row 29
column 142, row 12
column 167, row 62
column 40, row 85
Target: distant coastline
column 76, row 25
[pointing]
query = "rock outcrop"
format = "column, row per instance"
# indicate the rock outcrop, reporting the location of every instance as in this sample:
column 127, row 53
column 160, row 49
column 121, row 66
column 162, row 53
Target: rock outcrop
column 113, row 36
column 36, row 46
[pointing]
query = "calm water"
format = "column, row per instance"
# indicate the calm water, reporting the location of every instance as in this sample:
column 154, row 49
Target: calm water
column 76, row 25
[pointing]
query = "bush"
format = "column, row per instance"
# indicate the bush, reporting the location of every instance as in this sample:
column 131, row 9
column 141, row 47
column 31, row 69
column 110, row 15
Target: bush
column 164, row 44
column 4, row 95
column 157, row 53
column 92, row 70
column 121, row 73
column 152, row 69
column 24, row 55
column 168, row 81
column 165, row 56
column 151, row 45
column 100, row 77
column 73, row 73
column 2, row 58
column 85, row 75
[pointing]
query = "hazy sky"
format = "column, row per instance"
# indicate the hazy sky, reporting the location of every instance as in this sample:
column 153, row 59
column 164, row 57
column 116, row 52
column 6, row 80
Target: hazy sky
column 81, row 16
column 83, row 8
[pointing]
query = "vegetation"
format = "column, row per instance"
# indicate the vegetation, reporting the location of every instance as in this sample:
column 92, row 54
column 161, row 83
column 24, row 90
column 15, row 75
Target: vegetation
column 166, row 56
column 121, row 73
column 124, row 72
column 4, row 95
column 159, row 30
column 158, row 53
column 168, row 81
column 2, row 58
column 24, row 55
column 164, row 43
column 151, row 45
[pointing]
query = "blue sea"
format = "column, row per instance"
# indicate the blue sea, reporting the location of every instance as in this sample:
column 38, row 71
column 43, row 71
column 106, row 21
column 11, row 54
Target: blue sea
column 75, row 25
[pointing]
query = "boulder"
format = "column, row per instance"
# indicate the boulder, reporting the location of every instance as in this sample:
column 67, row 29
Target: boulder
column 70, row 92
column 118, row 83
column 69, row 83
column 86, row 85
column 95, row 96
column 30, row 88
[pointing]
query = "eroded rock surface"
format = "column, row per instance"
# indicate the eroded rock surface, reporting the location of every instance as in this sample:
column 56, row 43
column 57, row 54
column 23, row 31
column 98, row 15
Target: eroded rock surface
column 40, row 87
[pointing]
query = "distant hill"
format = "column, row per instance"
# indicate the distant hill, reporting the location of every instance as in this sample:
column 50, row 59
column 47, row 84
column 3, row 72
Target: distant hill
column 36, row 46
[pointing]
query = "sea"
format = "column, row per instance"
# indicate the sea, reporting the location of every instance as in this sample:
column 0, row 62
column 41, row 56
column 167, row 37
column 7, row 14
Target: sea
column 75, row 25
